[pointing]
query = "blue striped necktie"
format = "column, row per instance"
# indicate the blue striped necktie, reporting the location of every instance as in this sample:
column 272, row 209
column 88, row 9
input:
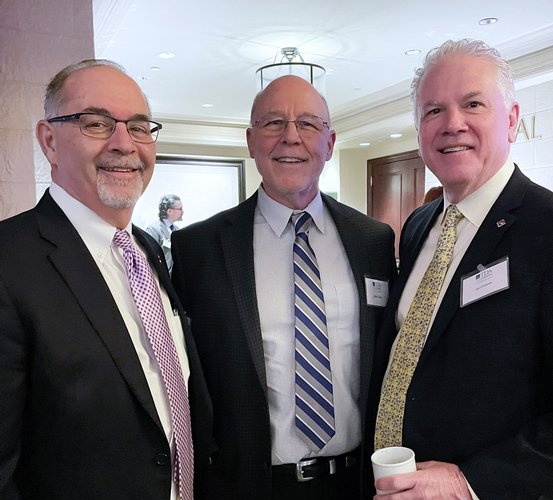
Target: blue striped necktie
column 314, row 399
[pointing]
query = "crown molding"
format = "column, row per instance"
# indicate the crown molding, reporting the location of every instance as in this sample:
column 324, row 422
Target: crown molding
column 373, row 116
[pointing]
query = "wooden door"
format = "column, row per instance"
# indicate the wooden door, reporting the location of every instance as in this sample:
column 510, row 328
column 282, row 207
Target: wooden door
column 395, row 188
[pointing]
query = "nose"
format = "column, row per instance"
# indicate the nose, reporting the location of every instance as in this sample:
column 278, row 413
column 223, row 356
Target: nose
column 454, row 121
column 121, row 140
column 290, row 134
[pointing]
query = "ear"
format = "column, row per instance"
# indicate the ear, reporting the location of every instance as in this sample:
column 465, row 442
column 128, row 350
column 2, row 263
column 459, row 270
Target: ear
column 249, row 140
column 46, row 139
column 513, row 122
column 330, row 144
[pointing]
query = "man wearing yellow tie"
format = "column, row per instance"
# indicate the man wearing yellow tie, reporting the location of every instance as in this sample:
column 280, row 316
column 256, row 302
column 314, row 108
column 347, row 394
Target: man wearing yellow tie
column 464, row 362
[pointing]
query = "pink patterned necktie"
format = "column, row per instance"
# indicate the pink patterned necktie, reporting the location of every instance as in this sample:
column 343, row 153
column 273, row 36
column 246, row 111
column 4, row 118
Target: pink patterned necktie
column 147, row 297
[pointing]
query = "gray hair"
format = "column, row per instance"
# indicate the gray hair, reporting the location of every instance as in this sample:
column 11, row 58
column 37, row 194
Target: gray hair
column 53, row 96
column 476, row 48
column 167, row 201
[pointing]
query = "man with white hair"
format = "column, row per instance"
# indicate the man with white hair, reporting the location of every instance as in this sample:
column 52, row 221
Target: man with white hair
column 464, row 362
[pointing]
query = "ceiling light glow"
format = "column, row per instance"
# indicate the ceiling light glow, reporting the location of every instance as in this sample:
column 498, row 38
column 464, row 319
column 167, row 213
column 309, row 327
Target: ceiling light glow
column 412, row 52
column 488, row 20
column 364, row 144
column 396, row 136
column 166, row 55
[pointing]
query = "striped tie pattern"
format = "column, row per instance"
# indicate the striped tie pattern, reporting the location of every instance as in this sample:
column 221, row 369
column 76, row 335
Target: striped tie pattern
column 412, row 336
column 314, row 399
column 150, row 308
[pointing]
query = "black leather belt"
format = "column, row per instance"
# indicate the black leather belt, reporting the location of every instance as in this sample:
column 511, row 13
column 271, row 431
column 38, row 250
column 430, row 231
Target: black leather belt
column 310, row 468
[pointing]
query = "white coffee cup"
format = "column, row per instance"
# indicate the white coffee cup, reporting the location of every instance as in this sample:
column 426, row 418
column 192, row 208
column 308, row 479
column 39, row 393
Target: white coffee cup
column 392, row 460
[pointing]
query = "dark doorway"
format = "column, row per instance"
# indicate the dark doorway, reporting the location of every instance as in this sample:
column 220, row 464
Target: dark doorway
column 395, row 188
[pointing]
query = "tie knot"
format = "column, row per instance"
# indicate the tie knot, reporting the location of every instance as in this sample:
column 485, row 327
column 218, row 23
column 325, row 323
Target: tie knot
column 122, row 239
column 452, row 216
column 302, row 222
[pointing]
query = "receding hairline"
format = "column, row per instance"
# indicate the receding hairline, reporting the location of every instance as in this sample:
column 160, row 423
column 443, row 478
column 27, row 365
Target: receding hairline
column 54, row 94
column 262, row 92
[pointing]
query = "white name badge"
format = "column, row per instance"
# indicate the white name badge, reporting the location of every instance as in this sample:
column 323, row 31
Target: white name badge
column 377, row 292
column 485, row 281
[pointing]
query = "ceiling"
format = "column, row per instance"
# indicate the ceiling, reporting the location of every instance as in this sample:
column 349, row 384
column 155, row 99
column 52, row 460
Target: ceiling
column 219, row 45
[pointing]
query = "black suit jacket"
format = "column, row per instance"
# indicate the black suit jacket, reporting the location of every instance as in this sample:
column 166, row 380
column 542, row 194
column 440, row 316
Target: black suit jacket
column 213, row 273
column 482, row 393
column 77, row 419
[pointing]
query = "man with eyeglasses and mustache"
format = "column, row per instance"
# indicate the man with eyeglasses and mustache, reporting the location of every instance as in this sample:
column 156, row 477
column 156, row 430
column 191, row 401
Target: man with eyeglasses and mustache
column 101, row 390
column 285, row 324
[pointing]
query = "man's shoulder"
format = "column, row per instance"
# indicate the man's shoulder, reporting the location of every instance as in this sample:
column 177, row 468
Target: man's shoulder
column 17, row 227
column 342, row 212
column 154, row 227
column 240, row 214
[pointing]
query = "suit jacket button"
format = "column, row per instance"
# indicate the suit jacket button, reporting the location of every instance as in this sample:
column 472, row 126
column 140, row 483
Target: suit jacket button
column 162, row 459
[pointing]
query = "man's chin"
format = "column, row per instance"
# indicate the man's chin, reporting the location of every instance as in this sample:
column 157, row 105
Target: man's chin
column 119, row 195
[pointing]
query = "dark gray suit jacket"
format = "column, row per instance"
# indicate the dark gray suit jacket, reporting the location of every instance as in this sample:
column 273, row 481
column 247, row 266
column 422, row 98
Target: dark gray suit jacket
column 214, row 275
column 77, row 419
column 482, row 393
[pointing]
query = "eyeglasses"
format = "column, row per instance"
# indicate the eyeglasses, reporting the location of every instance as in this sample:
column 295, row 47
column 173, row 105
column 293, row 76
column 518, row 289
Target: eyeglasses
column 103, row 126
column 308, row 125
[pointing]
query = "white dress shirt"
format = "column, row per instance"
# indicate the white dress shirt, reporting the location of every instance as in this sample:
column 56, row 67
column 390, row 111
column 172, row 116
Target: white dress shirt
column 97, row 235
column 273, row 240
column 475, row 208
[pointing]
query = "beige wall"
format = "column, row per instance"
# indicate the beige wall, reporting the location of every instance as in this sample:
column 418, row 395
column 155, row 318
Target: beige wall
column 37, row 38
column 351, row 165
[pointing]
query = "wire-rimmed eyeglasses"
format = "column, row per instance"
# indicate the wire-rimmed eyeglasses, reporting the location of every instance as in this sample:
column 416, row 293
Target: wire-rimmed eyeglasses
column 102, row 126
column 305, row 125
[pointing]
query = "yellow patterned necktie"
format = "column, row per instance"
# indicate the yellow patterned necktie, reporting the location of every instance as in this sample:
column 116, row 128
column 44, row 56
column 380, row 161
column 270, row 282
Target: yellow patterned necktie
column 412, row 336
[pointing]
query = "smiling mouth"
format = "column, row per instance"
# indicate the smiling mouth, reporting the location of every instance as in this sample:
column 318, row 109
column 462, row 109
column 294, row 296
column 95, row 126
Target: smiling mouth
column 289, row 159
column 454, row 149
column 119, row 169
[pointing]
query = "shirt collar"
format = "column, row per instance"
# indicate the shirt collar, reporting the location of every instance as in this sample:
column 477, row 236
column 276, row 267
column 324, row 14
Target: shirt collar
column 96, row 233
column 278, row 215
column 476, row 205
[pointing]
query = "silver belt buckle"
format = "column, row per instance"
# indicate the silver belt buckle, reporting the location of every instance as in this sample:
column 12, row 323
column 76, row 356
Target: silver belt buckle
column 299, row 469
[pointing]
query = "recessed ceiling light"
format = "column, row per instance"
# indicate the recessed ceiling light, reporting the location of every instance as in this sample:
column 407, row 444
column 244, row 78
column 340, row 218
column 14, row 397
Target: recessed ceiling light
column 412, row 52
column 207, row 105
column 488, row 20
column 155, row 68
column 364, row 144
column 166, row 55
column 396, row 136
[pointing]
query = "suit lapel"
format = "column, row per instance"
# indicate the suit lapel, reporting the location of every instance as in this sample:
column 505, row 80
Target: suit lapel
column 154, row 255
column 237, row 244
column 480, row 251
column 358, row 256
column 74, row 263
